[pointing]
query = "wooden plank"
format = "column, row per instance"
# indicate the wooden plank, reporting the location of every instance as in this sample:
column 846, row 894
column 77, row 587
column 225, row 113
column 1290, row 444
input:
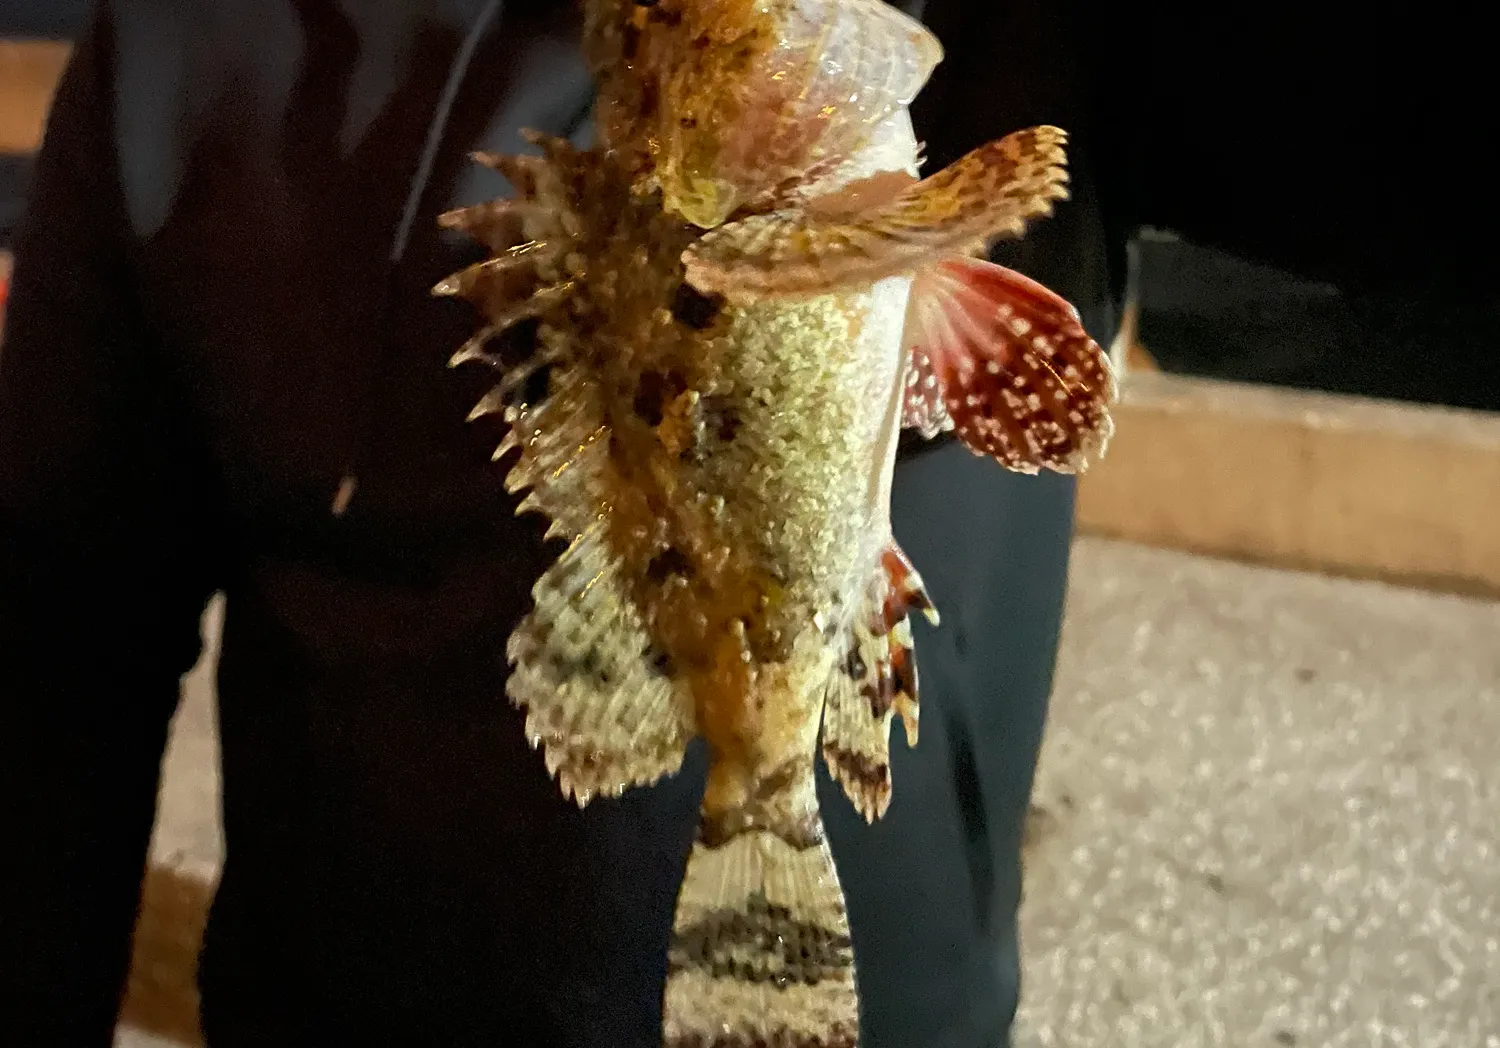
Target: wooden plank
column 29, row 71
column 161, row 995
column 1369, row 488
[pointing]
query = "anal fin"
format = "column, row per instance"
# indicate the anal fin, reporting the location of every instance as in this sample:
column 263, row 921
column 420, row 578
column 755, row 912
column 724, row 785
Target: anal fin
column 875, row 681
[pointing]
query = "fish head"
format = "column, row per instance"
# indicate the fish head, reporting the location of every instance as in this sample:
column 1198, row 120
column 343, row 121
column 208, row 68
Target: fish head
column 725, row 100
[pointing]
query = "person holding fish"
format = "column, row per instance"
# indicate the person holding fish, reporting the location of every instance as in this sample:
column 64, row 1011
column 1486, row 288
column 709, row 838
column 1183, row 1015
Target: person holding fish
column 714, row 289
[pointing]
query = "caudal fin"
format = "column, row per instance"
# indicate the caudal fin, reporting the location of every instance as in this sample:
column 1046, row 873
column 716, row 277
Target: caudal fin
column 760, row 950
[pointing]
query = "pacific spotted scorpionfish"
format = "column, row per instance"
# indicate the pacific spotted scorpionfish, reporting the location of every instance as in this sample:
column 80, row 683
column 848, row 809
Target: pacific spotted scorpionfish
column 741, row 294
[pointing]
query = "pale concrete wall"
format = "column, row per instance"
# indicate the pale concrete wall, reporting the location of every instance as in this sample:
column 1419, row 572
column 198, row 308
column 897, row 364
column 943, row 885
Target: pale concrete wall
column 1309, row 480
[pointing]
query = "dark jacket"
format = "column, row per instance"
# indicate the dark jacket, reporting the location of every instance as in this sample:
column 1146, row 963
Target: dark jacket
column 220, row 308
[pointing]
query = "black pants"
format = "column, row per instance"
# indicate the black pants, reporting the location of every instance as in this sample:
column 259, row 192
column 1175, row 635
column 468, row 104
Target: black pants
column 934, row 887
column 418, row 931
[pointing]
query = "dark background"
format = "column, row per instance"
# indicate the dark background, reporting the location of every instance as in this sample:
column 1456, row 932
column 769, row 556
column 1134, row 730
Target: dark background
column 52, row 19
column 1317, row 183
column 55, row 19
column 1349, row 150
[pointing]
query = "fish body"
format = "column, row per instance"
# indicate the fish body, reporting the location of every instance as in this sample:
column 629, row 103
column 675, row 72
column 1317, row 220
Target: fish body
column 741, row 296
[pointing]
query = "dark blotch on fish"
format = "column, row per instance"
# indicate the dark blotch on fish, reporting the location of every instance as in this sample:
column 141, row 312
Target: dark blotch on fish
column 650, row 99
column 653, row 392
column 695, row 309
column 661, row 15
column 669, row 562
column 592, row 665
column 854, row 665
column 720, row 417
column 779, row 779
column 660, row 662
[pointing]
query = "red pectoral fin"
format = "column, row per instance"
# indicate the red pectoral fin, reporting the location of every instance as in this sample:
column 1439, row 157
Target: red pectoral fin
column 1018, row 376
column 923, row 409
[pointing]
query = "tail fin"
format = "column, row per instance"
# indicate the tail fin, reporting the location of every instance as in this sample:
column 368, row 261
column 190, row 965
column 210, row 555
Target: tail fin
column 760, row 950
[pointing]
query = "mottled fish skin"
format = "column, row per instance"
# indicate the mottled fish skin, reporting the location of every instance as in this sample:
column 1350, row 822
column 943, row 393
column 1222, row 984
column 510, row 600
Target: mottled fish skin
column 722, row 474
column 716, row 445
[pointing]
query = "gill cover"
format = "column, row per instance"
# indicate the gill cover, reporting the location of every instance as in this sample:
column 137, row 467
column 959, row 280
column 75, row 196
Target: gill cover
column 726, row 99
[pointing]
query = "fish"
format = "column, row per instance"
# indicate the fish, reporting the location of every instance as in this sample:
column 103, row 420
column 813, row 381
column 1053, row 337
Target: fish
column 738, row 297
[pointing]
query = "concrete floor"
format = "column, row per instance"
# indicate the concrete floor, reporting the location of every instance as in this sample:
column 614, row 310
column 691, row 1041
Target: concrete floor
column 1271, row 806
column 1267, row 815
